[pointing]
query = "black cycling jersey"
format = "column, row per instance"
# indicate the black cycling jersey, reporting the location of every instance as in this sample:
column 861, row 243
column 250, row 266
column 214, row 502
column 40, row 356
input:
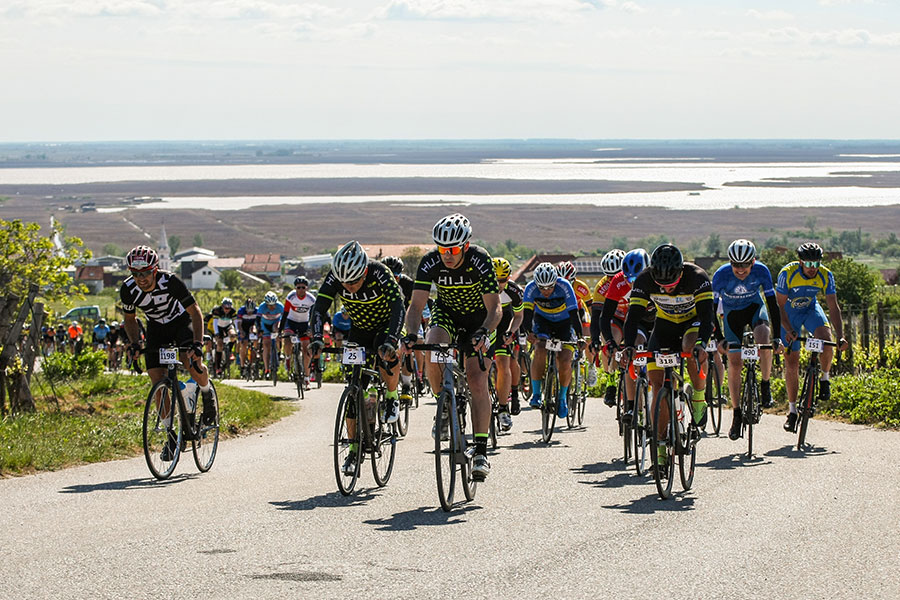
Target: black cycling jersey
column 376, row 307
column 164, row 304
column 690, row 300
column 406, row 284
column 511, row 299
column 460, row 292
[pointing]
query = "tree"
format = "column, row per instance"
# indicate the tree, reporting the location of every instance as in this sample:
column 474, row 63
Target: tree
column 713, row 244
column 411, row 258
column 230, row 279
column 174, row 244
column 856, row 283
column 27, row 257
column 811, row 224
column 776, row 260
column 113, row 250
column 198, row 239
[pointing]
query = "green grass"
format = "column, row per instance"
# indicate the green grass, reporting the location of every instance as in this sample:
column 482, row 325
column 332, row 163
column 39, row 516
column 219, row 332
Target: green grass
column 100, row 419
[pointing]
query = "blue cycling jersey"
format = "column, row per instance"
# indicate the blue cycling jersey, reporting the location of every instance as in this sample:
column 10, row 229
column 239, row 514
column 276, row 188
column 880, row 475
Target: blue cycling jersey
column 269, row 316
column 100, row 332
column 555, row 308
column 736, row 293
column 340, row 322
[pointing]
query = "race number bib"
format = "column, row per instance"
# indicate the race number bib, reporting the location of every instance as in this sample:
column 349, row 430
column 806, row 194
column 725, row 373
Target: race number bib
column 554, row 345
column 814, row 345
column 666, row 360
column 354, row 356
column 168, row 356
column 442, row 357
column 253, row 337
column 618, row 356
column 295, row 339
column 751, row 353
column 711, row 346
column 523, row 339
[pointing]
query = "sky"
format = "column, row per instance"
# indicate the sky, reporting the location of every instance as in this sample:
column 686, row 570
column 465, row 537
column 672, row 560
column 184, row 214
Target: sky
column 98, row 70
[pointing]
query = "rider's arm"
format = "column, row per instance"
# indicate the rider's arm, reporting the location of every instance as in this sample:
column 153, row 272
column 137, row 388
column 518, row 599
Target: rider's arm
column 196, row 322
column 772, row 306
column 284, row 314
column 131, row 328
column 494, row 311
column 575, row 321
column 518, row 316
column 834, row 315
column 414, row 313
column 320, row 314
column 705, row 316
column 785, row 320
column 606, row 317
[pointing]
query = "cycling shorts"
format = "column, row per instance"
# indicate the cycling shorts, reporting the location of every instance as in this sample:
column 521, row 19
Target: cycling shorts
column 159, row 335
column 810, row 320
column 669, row 335
column 460, row 328
column 735, row 321
column 371, row 340
column 560, row 330
column 297, row 328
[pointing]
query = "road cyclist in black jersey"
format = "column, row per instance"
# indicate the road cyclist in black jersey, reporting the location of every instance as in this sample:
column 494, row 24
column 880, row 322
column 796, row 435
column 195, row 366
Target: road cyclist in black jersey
column 173, row 317
column 467, row 311
column 223, row 318
column 409, row 366
column 513, row 306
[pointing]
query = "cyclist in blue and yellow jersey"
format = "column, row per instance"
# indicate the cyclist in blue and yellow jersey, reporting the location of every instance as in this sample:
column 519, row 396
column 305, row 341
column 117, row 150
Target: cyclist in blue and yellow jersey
column 741, row 286
column 268, row 316
column 551, row 311
column 511, row 302
column 798, row 285
column 682, row 294
column 467, row 310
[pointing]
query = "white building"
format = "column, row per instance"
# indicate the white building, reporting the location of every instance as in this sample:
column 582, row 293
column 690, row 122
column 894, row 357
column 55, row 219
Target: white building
column 165, row 260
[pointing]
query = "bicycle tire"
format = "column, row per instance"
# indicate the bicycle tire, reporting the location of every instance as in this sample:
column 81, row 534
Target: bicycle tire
column 640, row 422
column 384, row 445
column 467, row 459
column 572, row 397
column 809, row 391
column 156, row 434
column 748, row 404
column 297, row 371
column 582, row 398
column 273, row 364
column 686, row 445
column 548, row 407
column 714, row 399
column 343, row 441
column 626, row 428
column 663, row 476
column 444, row 459
column 403, row 419
column 494, row 426
column 205, row 441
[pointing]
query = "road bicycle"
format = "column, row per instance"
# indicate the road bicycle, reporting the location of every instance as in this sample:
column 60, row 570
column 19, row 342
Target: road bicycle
column 352, row 442
column 170, row 421
column 453, row 451
column 714, row 398
column 577, row 397
column 809, row 396
column 550, row 388
column 411, row 401
column 624, row 420
column 524, row 357
column 298, row 373
column 751, row 407
column 641, row 423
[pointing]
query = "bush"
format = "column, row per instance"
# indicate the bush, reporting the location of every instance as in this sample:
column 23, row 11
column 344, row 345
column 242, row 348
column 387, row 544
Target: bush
column 61, row 366
column 871, row 399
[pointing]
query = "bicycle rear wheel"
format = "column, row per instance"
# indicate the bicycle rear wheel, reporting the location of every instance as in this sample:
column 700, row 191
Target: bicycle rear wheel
column 572, row 397
column 273, row 364
column 297, row 370
column 494, row 426
column 384, row 446
column 806, row 403
column 162, row 430
column 206, row 439
column 548, row 409
column 749, row 401
column 403, row 421
column 582, row 398
column 664, row 474
column 444, row 458
column 625, row 426
column 714, row 399
column 640, row 427
column 466, row 456
column 687, row 444
column 347, row 445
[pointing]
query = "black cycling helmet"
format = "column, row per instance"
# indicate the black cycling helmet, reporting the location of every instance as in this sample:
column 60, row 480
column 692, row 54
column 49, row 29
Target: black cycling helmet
column 301, row 280
column 666, row 264
column 810, row 251
column 393, row 263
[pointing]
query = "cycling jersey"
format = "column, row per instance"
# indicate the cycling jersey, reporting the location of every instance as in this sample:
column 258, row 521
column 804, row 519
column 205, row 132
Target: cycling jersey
column 801, row 292
column 611, row 299
column 100, row 332
column 511, row 299
column 407, row 285
column 621, row 293
column 222, row 319
column 340, row 322
column 560, row 307
column 583, row 295
column 165, row 303
column 246, row 315
column 269, row 316
column 740, row 293
column 296, row 308
column 376, row 307
column 460, row 291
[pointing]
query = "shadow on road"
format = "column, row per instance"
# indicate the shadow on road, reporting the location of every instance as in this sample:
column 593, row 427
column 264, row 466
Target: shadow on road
column 622, row 477
column 790, row 451
column 734, row 461
column 422, row 517
column 329, row 500
column 651, row 503
column 128, row 484
column 538, row 443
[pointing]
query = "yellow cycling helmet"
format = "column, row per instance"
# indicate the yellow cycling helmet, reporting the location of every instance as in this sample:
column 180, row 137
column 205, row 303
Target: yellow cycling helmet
column 502, row 268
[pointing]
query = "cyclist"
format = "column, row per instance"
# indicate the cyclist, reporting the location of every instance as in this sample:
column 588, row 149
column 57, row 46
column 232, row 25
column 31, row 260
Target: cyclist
column 467, row 310
column 101, row 334
column 372, row 298
column 112, row 348
column 551, row 311
column 511, row 303
column 340, row 327
column 682, row 293
column 295, row 321
column 246, row 316
column 583, row 294
column 173, row 316
column 798, row 284
column 268, row 315
column 609, row 317
column 611, row 265
column 406, row 283
column 738, row 285
column 75, row 337
column 223, row 317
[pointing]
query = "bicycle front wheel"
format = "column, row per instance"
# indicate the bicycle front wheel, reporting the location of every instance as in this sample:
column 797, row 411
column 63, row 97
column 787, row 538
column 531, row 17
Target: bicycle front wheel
column 273, row 364
column 749, row 402
column 384, row 446
column 687, row 444
column 640, row 427
column 572, row 397
column 162, row 432
column 714, row 398
column 206, row 440
column 444, row 456
column 806, row 404
column 348, row 451
column 297, row 369
column 548, row 410
column 626, row 426
column 664, row 471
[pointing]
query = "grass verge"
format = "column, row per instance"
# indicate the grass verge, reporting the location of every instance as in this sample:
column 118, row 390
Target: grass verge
column 100, row 419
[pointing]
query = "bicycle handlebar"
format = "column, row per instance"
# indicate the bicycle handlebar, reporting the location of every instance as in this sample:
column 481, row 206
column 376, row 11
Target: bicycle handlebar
column 445, row 348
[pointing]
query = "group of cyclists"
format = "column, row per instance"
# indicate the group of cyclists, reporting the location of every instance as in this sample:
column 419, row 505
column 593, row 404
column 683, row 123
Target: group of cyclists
column 653, row 301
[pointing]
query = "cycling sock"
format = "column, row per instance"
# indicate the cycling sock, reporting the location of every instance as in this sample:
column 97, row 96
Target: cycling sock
column 563, row 393
column 205, row 388
column 536, row 387
column 405, row 379
column 481, row 440
column 792, row 407
column 391, row 395
column 698, row 408
column 699, row 395
column 825, row 376
column 660, row 454
column 514, row 391
column 353, row 447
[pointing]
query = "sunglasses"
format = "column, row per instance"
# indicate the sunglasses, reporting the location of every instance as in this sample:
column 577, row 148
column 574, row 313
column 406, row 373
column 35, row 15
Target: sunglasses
column 811, row 264
column 301, row 287
column 503, row 280
column 669, row 286
column 142, row 274
column 454, row 250
column 546, row 287
column 742, row 265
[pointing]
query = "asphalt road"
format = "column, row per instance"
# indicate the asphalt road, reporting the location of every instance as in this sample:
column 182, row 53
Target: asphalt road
column 564, row 521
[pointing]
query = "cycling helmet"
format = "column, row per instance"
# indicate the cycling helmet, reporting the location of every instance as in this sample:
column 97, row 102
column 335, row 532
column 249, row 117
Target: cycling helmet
column 666, row 264
column 249, row 303
column 741, row 251
column 810, row 251
column 227, row 302
column 393, row 263
column 611, row 263
column 634, row 262
column 502, row 268
column 141, row 258
column 114, row 324
column 545, row 275
column 350, row 262
column 301, row 280
column 452, row 230
column 101, row 322
column 271, row 298
column 566, row 270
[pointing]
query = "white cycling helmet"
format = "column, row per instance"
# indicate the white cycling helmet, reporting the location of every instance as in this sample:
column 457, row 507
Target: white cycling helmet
column 452, row 230
column 350, row 262
column 611, row 263
column 741, row 251
column 270, row 298
column 545, row 275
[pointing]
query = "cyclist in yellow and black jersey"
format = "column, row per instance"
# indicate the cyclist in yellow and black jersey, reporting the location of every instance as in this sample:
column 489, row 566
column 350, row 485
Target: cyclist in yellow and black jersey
column 467, row 310
column 682, row 294
column 513, row 305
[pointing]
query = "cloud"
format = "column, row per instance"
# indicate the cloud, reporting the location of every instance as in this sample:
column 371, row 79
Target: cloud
column 84, row 8
column 189, row 9
column 490, row 10
column 770, row 15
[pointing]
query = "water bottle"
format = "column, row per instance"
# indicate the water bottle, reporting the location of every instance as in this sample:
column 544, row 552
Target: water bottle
column 371, row 403
column 189, row 391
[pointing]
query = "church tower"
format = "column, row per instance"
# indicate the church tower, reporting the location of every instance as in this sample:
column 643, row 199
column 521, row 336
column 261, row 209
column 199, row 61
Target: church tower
column 165, row 262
